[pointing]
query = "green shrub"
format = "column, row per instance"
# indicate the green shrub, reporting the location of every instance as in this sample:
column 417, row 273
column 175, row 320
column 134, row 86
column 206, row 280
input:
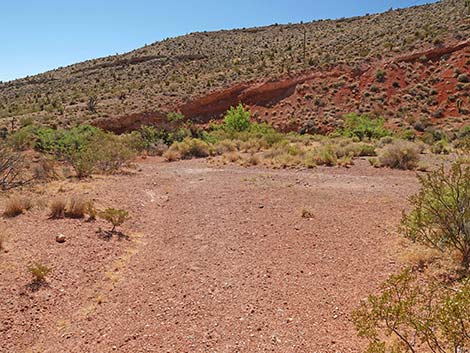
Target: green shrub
column 22, row 139
column 400, row 155
column 363, row 127
column 174, row 117
column 237, row 119
column 441, row 215
column 441, row 147
column 408, row 134
column 412, row 315
column 111, row 153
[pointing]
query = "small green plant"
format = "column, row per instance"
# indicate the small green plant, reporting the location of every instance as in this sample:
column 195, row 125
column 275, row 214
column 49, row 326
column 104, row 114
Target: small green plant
column 114, row 216
column 237, row 119
column 39, row 272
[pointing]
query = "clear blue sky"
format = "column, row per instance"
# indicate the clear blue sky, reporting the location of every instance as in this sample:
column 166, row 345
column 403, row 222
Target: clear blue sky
column 38, row 35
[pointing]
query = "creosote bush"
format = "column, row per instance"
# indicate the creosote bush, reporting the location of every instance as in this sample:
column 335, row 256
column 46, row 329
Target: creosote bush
column 86, row 148
column 415, row 311
column 441, row 211
column 415, row 315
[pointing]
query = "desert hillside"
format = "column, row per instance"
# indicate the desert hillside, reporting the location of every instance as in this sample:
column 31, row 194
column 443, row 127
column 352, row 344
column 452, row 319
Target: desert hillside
column 291, row 188
column 410, row 65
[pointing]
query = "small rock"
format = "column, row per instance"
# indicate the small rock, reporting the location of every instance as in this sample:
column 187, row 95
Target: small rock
column 60, row 238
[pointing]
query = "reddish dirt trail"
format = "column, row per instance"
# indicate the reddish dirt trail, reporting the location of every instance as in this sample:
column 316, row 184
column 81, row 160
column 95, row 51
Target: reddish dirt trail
column 220, row 260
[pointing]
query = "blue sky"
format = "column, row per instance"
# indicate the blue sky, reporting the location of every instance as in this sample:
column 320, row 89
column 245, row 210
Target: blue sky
column 38, row 35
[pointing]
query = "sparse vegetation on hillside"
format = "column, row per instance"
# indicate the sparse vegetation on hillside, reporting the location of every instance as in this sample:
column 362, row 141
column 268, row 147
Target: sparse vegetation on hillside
column 161, row 75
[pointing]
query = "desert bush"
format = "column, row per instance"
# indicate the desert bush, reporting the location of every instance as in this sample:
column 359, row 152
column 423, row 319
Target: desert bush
column 400, row 155
column 172, row 155
column 237, row 119
column 23, row 138
column 175, row 117
column 463, row 139
column 111, row 153
column 363, row 127
column 188, row 148
column 356, row 150
column 413, row 315
column 12, row 169
column 77, row 207
column 57, row 208
column 384, row 141
column 380, row 76
column 90, row 150
column 114, row 216
column 441, row 147
column 225, row 146
column 441, row 214
column 325, row 155
column 39, row 272
column 16, row 206
column 45, row 169
column 232, row 156
column 252, row 159
column 83, row 161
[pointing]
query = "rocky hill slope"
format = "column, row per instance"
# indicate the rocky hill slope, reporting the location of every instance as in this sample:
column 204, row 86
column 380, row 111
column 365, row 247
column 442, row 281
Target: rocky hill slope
column 410, row 65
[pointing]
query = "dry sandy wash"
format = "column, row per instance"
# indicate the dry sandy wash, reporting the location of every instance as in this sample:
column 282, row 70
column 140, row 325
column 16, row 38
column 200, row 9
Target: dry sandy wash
column 219, row 259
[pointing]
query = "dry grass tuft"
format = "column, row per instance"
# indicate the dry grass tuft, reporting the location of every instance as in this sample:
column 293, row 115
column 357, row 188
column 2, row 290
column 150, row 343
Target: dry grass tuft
column 77, row 207
column 172, row 155
column 306, row 213
column 57, row 208
column 16, row 206
column 2, row 241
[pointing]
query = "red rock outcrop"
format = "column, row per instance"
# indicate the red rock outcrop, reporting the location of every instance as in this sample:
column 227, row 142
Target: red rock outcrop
column 420, row 84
